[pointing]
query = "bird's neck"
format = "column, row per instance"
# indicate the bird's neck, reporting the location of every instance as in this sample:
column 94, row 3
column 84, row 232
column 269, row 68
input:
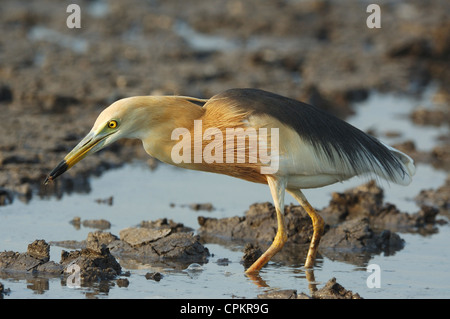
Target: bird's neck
column 176, row 114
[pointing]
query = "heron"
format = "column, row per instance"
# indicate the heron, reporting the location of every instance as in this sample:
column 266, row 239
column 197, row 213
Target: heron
column 314, row 148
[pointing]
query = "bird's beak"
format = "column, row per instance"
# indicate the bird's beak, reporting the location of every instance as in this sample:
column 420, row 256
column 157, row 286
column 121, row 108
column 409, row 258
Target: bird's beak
column 90, row 144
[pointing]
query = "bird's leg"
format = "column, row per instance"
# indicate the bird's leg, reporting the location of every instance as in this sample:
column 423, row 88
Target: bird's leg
column 277, row 188
column 312, row 284
column 318, row 225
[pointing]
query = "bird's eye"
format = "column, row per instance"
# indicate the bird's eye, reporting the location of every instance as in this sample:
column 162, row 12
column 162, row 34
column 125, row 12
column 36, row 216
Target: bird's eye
column 112, row 124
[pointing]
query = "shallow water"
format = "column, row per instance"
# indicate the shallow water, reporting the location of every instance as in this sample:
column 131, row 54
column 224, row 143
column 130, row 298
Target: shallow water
column 420, row 270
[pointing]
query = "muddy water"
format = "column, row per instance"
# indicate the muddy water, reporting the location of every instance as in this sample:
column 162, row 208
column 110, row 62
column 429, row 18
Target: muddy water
column 420, row 270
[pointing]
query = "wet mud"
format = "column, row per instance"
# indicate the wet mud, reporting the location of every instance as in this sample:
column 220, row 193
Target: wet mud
column 358, row 224
column 97, row 256
column 50, row 77
column 35, row 260
column 160, row 243
column 54, row 81
column 438, row 198
column 331, row 290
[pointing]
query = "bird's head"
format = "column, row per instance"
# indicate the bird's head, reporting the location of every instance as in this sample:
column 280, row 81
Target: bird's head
column 149, row 118
column 121, row 119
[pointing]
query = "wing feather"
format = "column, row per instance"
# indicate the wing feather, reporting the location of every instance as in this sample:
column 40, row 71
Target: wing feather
column 324, row 144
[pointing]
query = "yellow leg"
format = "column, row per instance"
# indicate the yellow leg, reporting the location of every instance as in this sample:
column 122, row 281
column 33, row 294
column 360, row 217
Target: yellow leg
column 277, row 188
column 318, row 225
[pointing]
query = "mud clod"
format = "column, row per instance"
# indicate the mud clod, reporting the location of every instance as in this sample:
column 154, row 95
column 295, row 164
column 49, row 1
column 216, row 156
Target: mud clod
column 140, row 236
column 3, row 290
column 94, row 265
column 160, row 246
column 159, row 242
column 97, row 223
column 259, row 223
column 164, row 223
column 122, row 282
column 107, row 201
column 356, row 235
column 367, row 201
column 96, row 262
column 98, row 241
column 35, row 260
column 438, row 198
column 156, row 276
column 223, row 261
column 279, row 294
column 90, row 223
column 39, row 249
column 182, row 247
column 251, row 254
column 6, row 197
column 431, row 117
column 202, row 206
column 333, row 290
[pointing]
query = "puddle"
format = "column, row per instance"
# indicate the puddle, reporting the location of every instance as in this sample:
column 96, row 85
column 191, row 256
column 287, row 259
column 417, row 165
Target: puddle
column 98, row 8
column 203, row 42
column 215, row 42
column 420, row 270
column 41, row 33
column 389, row 113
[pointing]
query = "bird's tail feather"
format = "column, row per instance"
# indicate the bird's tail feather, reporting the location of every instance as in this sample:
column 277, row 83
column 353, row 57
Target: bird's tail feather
column 404, row 176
